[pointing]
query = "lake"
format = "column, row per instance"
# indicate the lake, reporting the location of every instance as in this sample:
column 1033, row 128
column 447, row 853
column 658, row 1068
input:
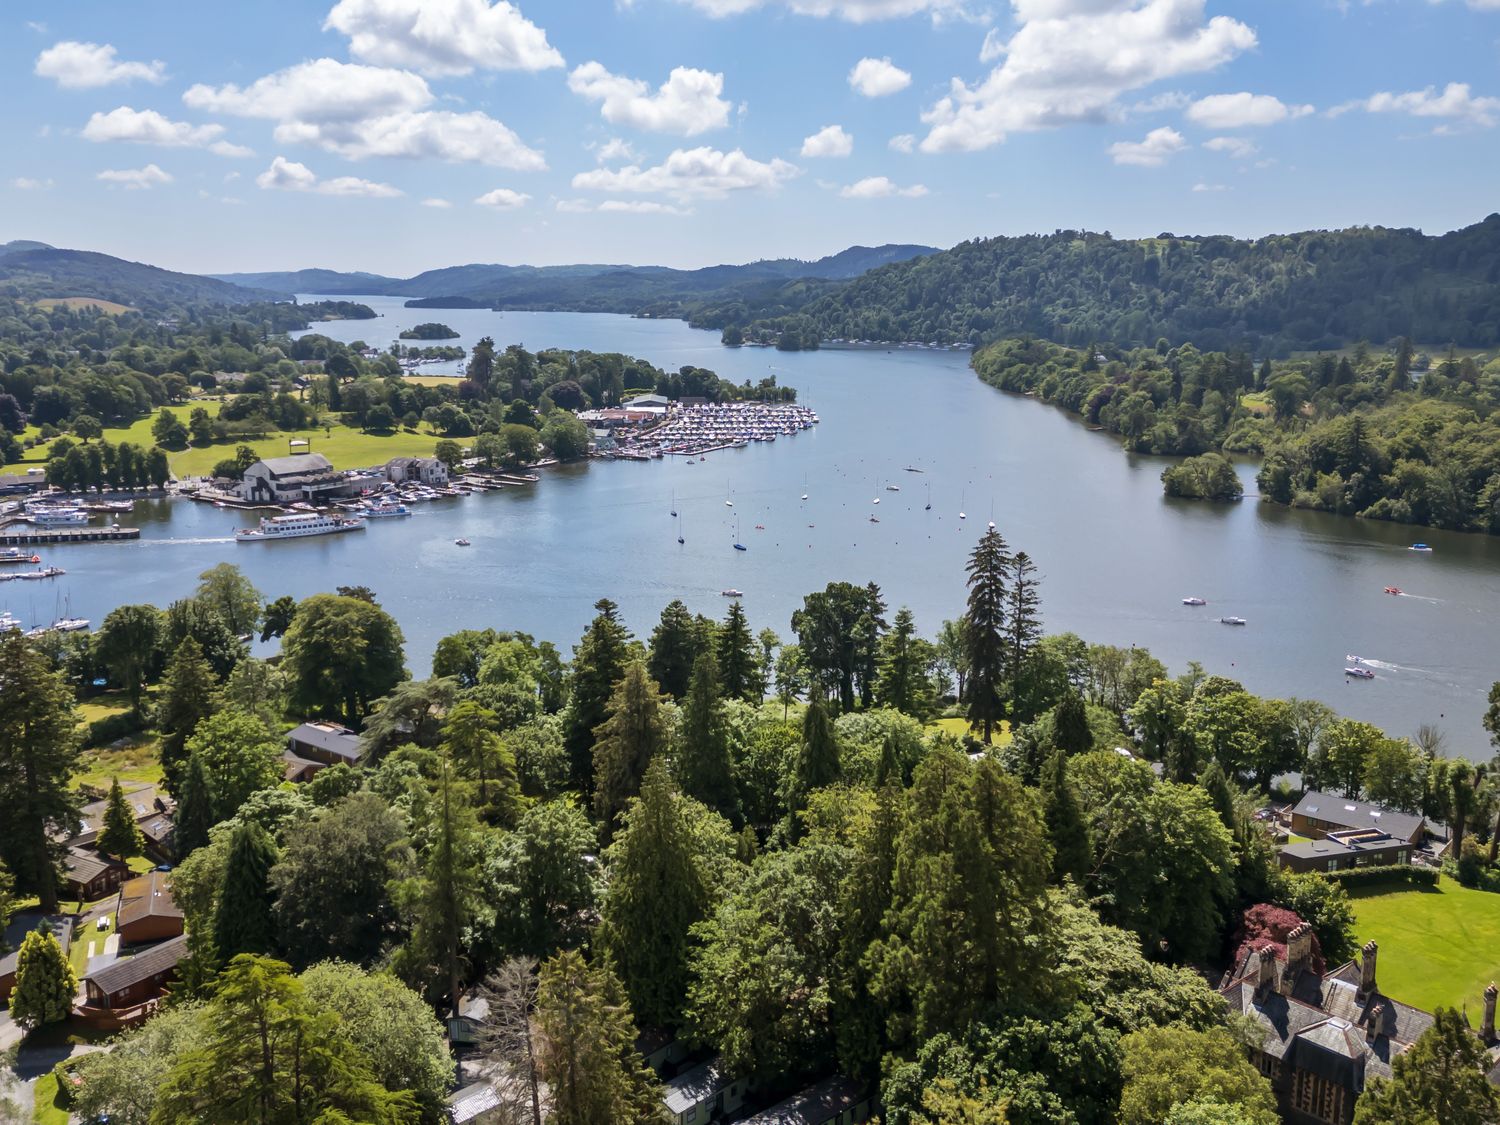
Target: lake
column 1115, row 556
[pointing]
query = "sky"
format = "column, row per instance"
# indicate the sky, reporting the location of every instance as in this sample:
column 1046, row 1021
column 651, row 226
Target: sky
column 401, row 135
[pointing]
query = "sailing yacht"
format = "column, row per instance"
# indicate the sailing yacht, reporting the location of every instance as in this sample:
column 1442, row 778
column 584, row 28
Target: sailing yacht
column 674, row 502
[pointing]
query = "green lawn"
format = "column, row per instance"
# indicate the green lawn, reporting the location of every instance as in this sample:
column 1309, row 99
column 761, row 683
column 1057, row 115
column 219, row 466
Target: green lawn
column 48, row 1111
column 958, row 728
column 87, row 943
column 1439, row 947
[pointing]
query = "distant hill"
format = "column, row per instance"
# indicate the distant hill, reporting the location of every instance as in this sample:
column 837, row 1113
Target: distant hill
column 21, row 244
column 38, row 270
column 311, row 281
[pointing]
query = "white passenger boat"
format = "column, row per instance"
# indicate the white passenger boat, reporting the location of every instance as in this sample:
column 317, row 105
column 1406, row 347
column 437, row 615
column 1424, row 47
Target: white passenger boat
column 53, row 517
column 297, row 526
column 1193, row 601
column 383, row 511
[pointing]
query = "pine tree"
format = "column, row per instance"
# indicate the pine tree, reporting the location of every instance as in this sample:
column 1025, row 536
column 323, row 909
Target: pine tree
column 817, row 762
column 7, row 905
column 675, row 643
column 738, row 668
column 1023, row 629
column 634, row 731
column 189, row 695
column 588, row 1055
column 45, row 982
column 242, row 916
column 1067, row 829
column 904, row 682
column 194, row 810
column 119, row 834
column 703, row 766
column 1070, row 725
column 598, row 662
column 470, row 741
column 1214, row 782
column 984, row 632
column 38, row 733
column 1440, row 1079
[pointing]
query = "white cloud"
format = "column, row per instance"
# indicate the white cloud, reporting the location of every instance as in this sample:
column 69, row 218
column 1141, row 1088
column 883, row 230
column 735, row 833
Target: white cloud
column 903, row 142
column 1152, row 152
column 27, row 183
column 443, row 37
column 875, row 78
column 320, row 90
column 459, row 138
column 1456, row 103
column 855, row 11
column 288, row 175
column 1242, row 110
column 86, row 66
column 147, row 127
column 440, row 204
column 1236, row 147
column 639, row 207
column 704, row 173
column 831, row 140
column 687, row 103
column 880, row 187
column 614, row 149
column 135, row 179
column 1209, row 187
column 1070, row 60
column 993, row 46
column 503, row 199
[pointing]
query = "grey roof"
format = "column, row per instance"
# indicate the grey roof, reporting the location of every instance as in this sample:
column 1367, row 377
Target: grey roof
column 1331, row 848
column 329, row 738
column 472, row 1100
column 84, row 867
column 58, row 924
column 147, row 963
column 1357, row 814
column 812, row 1106
column 696, row 1086
column 296, row 464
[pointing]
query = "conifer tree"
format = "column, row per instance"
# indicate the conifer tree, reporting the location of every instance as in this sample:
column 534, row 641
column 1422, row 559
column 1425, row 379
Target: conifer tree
column 242, row 918
column 195, row 814
column 817, row 762
column 1216, row 785
column 633, row 732
column 7, row 904
column 598, row 662
column 985, row 651
column 703, row 765
column 738, row 667
column 1070, row 725
column 470, row 740
column 189, row 695
column 675, row 644
column 1023, row 629
column 45, row 982
column 119, row 834
column 1067, row 828
column 904, row 682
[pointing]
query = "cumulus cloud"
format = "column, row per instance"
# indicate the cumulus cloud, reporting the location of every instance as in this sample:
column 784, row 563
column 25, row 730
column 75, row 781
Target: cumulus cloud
column 458, row 138
column 703, row 173
column 831, row 140
column 440, row 204
column 875, row 78
column 85, row 66
column 443, row 37
column 903, row 142
column 27, row 183
column 503, row 199
column 1070, row 60
column 616, row 148
column 288, row 175
column 880, row 187
column 1456, row 104
column 687, row 103
column 1242, row 110
column 855, row 11
column 1158, row 146
column 147, row 127
column 320, row 90
column 135, row 179
column 1237, row 147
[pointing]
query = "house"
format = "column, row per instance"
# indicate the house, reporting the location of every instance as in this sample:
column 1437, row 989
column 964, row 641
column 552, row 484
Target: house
column 298, row 769
column 88, row 876
column 419, row 470
column 153, row 811
column 146, row 911
column 286, row 480
column 1318, row 814
column 661, row 1049
column 1326, row 1035
column 833, row 1101
column 327, row 743
column 704, row 1093
column 60, row 926
column 1340, row 851
column 127, row 988
column 477, row 1102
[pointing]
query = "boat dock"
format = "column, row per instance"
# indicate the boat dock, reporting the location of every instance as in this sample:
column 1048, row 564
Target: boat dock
column 55, row 536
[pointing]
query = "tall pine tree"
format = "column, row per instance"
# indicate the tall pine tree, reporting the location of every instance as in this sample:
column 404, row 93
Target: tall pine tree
column 598, row 662
column 905, row 682
column 703, row 766
column 189, row 695
column 675, row 644
column 195, row 815
column 633, row 732
column 817, row 762
column 985, row 650
column 1067, row 828
column 739, row 670
column 1023, row 629
column 119, row 834
column 242, row 917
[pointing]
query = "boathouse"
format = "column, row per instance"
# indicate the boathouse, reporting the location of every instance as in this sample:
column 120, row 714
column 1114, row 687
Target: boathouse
column 417, row 470
column 287, row 480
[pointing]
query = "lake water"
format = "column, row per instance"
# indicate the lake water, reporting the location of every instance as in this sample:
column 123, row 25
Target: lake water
column 1116, row 557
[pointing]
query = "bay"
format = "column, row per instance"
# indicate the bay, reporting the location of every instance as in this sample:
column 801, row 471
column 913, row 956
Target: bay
column 1115, row 556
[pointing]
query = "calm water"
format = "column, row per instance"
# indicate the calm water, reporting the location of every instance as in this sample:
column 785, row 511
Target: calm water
column 1115, row 556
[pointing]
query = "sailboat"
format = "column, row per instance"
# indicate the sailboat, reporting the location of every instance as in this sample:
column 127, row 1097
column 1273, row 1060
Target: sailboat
column 679, row 529
column 674, row 502
column 992, row 515
column 738, row 546
column 929, row 499
column 804, row 486
column 963, row 515
column 877, row 489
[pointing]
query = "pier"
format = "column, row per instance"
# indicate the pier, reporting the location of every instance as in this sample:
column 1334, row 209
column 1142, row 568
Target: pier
column 56, row 536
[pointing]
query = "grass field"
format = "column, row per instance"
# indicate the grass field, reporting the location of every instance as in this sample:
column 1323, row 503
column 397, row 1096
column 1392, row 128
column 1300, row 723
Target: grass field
column 112, row 307
column 960, row 727
column 88, row 942
column 1439, row 947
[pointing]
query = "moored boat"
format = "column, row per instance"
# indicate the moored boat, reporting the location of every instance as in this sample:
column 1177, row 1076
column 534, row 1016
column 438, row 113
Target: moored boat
column 1421, row 547
column 731, row 593
column 1231, row 620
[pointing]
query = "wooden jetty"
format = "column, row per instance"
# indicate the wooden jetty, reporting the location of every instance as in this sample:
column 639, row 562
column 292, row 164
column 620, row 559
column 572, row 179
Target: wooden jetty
column 55, row 536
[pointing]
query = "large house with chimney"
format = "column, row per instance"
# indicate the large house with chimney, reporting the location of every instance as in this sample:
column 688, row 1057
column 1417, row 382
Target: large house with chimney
column 1325, row 1035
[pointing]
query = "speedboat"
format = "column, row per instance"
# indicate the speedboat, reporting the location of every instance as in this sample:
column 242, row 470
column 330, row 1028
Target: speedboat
column 1193, row 601
column 1352, row 659
column 731, row 593
column 741, row 547
column 461, row 543
column 1394, row 590
column 1423, row 547
column 893, row 488
column 1231, row 620
column 1359, row 673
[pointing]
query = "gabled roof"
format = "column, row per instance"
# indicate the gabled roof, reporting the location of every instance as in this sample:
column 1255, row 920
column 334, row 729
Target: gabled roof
column 296, row 464
column 59, row 926
column 128, row 971
column 469, row 1102
column 1357, row 814
column 328, row 737
column 147, row 896
column 696, row 1086
column 86, row 866
column 812, row 1106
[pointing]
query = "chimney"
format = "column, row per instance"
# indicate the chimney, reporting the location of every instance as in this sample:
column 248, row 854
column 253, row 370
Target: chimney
column 1266, row 982
column 1299, row 946
column 1487, row 1028
column 1367, row 969
column 1374, row 1022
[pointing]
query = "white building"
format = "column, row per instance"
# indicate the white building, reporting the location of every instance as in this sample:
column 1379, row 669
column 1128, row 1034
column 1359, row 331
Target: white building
column 285, row 480
column 421, row 470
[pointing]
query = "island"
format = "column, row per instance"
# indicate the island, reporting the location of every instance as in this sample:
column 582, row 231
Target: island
column 429, row 331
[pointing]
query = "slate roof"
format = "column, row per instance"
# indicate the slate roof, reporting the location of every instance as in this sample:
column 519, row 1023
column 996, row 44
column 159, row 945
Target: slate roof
column 297, row 464
column 1357, row 814
column 59, row 925
column 84, row 866
column 696, row 1086
column 329, row 738
column 127, row 971
column 812, row 1106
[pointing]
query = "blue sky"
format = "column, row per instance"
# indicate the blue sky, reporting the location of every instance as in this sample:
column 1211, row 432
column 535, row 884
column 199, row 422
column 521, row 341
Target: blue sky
column 401, row 135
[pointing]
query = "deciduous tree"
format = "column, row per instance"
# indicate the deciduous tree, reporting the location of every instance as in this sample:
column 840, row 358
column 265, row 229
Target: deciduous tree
column 341, row 654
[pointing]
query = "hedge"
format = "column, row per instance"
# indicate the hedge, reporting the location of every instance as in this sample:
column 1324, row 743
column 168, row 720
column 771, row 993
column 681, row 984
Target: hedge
column 112, row 728
column 1392, row 873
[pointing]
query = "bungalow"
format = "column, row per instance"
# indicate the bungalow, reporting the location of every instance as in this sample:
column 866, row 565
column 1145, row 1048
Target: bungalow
column 661, row 1049
column 88, row 876
column 299, row 477
column 327, row 743
column 61, row 927
column 1318, row 814
column 705, row 1093
column 1340, row 851
column 833, row 1101
column 129, row 982
column 420, row 470
column 153, row 815
column 146, row 911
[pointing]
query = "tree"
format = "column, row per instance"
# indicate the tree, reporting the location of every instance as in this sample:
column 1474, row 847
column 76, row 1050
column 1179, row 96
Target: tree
column 539, row 879
column 119, row 834
column 738, row 667
column 952, row 658
column 633, row 732
column 341, row 654
column 277, row 617
column 167, row 430
column 412, row 714
column 7, row 904
column 242, row 921
column 189, row 694
column 226, row 591
column 1023, row 632
column 791, row 677
column 588, row 1055
column 1439, row 1081
column 838, row 632
column 469, row 739
column 1342, row 754
column 239, row 757
column 565, row 436
column 1070, row 725
column 126, row 644
column 195, row 810
column 1067, row 828
column 985, row 650
column 667, row 868
column 817, row 762
column 1170, row 1066
column 675, row 644
column 38, row 732
column 598, row 661
column 703, row 766
column 905, row 660
column 45, row 982
column 120, row 1085
column 507, row 1037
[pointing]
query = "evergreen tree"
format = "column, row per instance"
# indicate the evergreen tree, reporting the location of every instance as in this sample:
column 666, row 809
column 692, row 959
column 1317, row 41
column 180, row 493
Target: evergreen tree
column 189, row 694
column 195, row 814
column 242, row 917
column 588, row 1055
column 817, row 763
column 470, row 740
column 864, row 899
column 633, row 732
column 598, row 661
column 45, row 982
column 1439, row 1081
column 7, row 904
column 1067, row 827
column 675, row 644
column 38, row 732
column 739, row 670
column 119, row 834
column 904, row 681
column 1216, row 785
column 703, row 765
column 1023, row 628
column 1070, row 725
column 985, row 651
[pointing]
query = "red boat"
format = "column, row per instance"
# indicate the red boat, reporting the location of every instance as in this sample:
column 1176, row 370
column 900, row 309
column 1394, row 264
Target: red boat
column 1394, row 590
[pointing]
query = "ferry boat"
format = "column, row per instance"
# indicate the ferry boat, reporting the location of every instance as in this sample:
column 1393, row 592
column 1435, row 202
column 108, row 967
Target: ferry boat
column 52, row 517
column 1231, row 620
column 384, row 510
column 297, row 526
column 731, row 593
column 1193, row 601
column 1359, row 673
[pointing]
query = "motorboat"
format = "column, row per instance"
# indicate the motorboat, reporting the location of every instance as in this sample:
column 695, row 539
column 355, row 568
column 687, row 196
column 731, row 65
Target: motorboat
column 71, row 625
column 297, row 526
column 1231, row 620
column 1194, row 601
column 1394, row 590
column 1352, row 659
column 1421, row 547
column 741, row 547
column 893, row 488
column 462, row 543
column 386, row 509
column 1359, row 673
column 731, row 593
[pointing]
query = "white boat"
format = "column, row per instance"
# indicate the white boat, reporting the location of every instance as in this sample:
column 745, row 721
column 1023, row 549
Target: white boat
column 1421, row 547
column 52, row 517
column 8, row 622
column 383, row 511
column 297, row 526
column 71, row 625
column 462, row 543
column 16, row 555
column 893, row 488
column 731, row 593
column 1231, row 620
column 1359, row 673
column 1352, row 659
column 1193, row 601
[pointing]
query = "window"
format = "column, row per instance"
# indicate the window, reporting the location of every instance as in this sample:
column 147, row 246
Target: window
column 1333, row 865
column 691, row 1114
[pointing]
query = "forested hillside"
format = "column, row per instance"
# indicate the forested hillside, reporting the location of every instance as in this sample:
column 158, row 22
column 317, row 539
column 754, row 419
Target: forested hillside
column 44, row 271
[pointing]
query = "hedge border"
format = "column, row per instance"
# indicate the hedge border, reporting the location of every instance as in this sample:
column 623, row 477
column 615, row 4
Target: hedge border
column 1392, row 873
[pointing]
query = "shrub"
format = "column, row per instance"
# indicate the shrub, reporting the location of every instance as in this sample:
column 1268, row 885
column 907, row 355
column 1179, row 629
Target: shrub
column 111, row 728
column 1395, row 873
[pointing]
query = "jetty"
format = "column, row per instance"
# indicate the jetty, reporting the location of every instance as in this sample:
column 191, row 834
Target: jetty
column 55, row 536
